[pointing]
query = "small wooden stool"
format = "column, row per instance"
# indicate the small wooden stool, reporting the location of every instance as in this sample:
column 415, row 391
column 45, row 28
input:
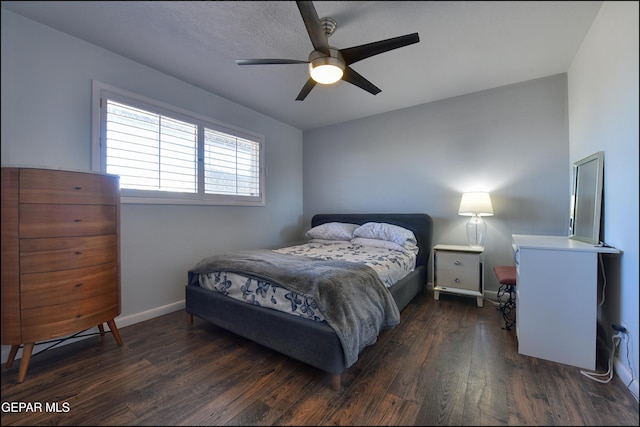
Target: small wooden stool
column 506, row 276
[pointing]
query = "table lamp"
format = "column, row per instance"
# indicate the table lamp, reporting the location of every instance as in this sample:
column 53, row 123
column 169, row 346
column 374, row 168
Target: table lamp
column 476, row 205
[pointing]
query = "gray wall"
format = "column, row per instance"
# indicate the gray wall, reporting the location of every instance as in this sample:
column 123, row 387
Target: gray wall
column 46, row 122
column 511, row 141
column 603, row 116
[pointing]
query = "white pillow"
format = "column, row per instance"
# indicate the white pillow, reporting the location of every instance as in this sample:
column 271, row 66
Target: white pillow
column 411, row 247
column 332, row 231
column 384, row 231
column 327, row 242
column 377, row 243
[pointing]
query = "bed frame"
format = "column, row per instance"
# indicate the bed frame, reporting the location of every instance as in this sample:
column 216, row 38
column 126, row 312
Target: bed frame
column 322, row 347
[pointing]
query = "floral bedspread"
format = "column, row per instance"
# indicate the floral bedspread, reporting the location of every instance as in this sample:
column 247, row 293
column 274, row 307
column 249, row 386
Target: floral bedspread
column 390, row 265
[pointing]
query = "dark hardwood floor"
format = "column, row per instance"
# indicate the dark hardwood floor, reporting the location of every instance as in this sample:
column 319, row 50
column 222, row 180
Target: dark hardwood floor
column 447, row 363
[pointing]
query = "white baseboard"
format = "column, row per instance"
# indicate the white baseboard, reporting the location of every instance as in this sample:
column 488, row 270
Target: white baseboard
column 149, row 314
column 121, row 322
column 624, row 373
column 490, row 295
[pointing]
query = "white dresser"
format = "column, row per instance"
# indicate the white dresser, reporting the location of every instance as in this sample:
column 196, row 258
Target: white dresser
column 557, row 298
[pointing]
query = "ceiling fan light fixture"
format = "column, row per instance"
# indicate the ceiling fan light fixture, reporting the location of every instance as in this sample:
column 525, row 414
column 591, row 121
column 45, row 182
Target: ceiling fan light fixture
column 327, row 65
column 325, row 74
column 326, row 69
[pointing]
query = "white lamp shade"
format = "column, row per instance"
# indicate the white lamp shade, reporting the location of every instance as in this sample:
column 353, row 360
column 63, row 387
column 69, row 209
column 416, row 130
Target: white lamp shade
column 475, row 203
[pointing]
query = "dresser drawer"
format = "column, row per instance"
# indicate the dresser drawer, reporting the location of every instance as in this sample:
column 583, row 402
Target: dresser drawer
column 57, row 320
column 457, row 261
column 66, row 253
column 46, row 289
column 44, row 220
column 53, row 186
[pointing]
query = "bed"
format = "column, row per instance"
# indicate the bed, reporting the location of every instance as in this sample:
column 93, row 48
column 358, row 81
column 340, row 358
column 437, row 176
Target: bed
column 324, row 346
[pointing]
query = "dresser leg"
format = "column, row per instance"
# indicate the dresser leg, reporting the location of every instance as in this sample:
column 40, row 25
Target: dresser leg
column 101, row 329
column 114, row 331
column 480, row 301
column 12, row 355
column 24, row 362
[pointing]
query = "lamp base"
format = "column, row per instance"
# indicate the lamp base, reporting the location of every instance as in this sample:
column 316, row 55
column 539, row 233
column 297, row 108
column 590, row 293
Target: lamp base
column 476, row 231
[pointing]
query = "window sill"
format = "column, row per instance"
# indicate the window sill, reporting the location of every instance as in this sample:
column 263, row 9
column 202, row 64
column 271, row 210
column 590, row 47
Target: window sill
column 166, row 201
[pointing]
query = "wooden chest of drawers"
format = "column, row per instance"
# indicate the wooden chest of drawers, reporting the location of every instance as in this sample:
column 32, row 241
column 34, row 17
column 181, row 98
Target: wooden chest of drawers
column 60, row 256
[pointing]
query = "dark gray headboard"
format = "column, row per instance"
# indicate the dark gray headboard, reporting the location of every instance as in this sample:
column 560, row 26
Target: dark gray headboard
column 420, row 224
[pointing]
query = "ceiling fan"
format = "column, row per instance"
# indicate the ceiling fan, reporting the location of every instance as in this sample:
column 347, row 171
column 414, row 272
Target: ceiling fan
column 327, row 64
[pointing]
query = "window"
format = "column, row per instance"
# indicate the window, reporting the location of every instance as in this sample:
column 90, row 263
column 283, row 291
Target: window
column 166, row 155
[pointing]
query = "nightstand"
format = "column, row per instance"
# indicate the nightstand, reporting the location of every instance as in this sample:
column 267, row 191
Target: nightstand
column 458, row 270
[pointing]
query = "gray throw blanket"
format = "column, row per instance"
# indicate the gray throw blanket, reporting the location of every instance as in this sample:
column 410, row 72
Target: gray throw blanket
column 351, row 296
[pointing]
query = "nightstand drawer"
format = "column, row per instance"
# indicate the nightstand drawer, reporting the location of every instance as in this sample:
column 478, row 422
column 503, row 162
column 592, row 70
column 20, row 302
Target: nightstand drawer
column 461, row 279
column 457, row 261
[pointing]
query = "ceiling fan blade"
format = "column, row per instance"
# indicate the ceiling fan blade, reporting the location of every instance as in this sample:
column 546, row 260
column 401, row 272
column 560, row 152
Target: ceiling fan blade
column 314, row 27
column 268, row 61
column 351, row 76
column 306, row 89
column 357, row 53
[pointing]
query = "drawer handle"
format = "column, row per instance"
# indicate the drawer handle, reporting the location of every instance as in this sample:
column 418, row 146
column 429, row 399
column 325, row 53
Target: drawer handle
column 77, row 188
column 457, row 262
column 77, row 220
column 457, row 280
column 79, row 285
column 78, row 253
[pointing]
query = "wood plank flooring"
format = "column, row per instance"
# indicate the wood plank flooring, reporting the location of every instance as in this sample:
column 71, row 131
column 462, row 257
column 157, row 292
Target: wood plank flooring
column 447, row 363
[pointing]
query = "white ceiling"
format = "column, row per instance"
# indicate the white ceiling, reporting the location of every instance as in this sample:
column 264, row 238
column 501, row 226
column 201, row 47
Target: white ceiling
column 465, row 46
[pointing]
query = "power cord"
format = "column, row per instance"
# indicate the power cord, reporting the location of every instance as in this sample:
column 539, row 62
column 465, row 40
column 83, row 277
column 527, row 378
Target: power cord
column 604, row 278
column 615, row 340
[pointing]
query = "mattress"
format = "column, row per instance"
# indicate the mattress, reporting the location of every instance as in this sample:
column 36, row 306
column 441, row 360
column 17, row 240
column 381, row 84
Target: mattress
column 390, row 265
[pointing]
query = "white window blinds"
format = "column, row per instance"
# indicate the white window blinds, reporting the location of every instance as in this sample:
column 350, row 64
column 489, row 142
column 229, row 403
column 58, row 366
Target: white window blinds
column 167, row 155
column 231, row 164
column 150, row 151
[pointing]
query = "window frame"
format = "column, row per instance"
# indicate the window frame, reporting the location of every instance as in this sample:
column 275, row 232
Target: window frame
column 102, row 91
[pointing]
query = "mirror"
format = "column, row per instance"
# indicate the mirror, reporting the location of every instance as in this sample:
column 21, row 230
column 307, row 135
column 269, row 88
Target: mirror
column 586, row 199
